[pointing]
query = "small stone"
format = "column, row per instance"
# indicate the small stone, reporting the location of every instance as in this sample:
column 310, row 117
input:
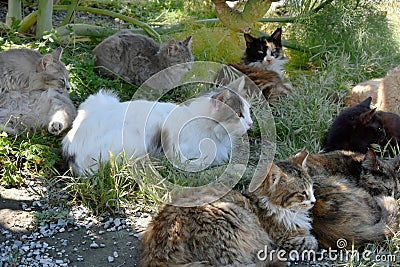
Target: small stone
column 62, row 230
column 115, row 254
column 117, row 222
column 110, row 259
column 94, row 245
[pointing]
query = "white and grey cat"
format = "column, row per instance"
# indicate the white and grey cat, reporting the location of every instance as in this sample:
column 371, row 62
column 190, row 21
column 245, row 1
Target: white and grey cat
column 49, row 109
column 195, row 134
column 26, row 69
column 136, row 57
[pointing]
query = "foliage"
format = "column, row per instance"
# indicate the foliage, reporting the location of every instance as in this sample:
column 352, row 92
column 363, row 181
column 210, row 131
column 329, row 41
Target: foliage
column 28, row 156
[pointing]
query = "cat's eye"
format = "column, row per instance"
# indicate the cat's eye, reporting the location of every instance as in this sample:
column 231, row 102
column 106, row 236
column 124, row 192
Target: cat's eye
column 304, row 195
column 240, row 115
column 275, row 52
column 260, row 52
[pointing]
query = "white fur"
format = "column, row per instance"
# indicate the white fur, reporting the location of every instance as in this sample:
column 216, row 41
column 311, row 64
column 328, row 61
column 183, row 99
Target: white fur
column 270, row 63
column 105, row 125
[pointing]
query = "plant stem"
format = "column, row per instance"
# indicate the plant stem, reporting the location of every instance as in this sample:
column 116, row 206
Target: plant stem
column 13, row 11
column 44, row 17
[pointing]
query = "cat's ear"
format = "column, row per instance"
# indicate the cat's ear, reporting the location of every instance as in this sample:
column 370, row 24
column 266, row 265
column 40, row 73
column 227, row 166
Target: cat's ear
column 277, row 35
column 301, row 159
column 221, row 97
column 366, row 103
column 171, row 47
column 249, row 39
column 57, row 53
column 396, row 163
column 274, row 174
column 238, row 86
column 370, row 161
column 366, row 117
column 44, row 62
column 187, row 42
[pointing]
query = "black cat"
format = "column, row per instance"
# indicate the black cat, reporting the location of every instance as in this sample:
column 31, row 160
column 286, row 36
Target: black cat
column 355, row 129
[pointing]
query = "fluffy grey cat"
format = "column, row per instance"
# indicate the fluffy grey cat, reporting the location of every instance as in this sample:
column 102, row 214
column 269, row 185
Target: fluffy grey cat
column 34, row 92
column 136, row 57
column 25, row 69
column 51, row 109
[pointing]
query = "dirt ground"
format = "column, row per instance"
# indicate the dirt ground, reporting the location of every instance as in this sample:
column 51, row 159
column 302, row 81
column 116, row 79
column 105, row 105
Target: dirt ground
column 74, row 245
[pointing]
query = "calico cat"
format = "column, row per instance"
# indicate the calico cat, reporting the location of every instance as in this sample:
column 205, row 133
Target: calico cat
column 230, row 231
column 263, row 63
column 136, row 57
column 25, row 69
column 268, row 82
column 22, row 110
column 265, row 52
column 343, row 209
column 221, row 232
column 355, row 129
column 155, row 127
column 384, row 92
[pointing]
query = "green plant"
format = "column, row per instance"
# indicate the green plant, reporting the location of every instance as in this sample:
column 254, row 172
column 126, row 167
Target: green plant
column 28, row 156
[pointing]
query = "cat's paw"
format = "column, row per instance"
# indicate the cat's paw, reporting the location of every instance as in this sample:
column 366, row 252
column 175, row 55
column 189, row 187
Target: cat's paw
column 56, row 127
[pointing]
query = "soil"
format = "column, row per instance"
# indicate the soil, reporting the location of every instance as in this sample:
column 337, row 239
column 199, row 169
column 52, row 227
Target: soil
column 74, row 245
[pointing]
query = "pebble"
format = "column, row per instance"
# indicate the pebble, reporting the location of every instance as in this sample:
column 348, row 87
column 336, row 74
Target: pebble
column 94, row 245
column 110, row 259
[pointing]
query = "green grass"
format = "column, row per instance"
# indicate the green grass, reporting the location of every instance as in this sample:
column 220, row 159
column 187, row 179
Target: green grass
column 351, row 44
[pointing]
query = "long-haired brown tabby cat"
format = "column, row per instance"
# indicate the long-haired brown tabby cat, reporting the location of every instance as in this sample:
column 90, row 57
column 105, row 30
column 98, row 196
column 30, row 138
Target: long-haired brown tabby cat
column 25, row 69
column 229, row 231
column 345, row 210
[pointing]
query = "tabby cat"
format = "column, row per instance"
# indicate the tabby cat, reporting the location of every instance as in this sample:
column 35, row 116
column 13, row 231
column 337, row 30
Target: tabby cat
column 193, row 135
column 343, row 209
column 25, row 69
column 380, row 177
column 232, row 230
column 22, row 111
column 355, row 129
column 221, row 232
column 136, row 57
column 282, row 204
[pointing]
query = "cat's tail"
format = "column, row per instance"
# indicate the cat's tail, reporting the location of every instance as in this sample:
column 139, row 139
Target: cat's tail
column 388, row 224
column 389, row 216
